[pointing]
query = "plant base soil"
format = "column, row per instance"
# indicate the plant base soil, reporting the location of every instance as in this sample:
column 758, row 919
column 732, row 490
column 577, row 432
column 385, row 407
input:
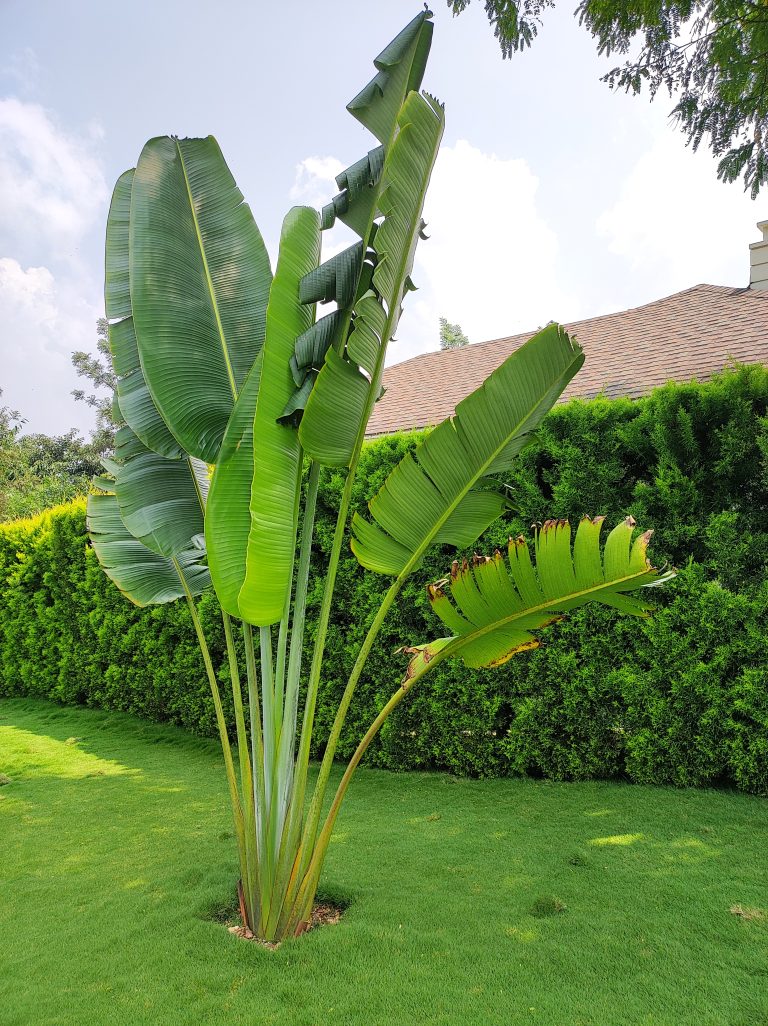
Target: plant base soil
column 323, row 914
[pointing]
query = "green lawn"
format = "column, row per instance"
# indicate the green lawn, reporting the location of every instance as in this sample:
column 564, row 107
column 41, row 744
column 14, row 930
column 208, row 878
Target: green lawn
column 115, row 848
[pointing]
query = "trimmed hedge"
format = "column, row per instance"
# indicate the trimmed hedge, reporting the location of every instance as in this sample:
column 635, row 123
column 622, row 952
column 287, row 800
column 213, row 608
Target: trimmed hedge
column 680, row 698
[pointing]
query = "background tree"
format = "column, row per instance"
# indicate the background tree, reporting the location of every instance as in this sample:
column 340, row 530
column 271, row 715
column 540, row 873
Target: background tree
column 38, row 471
column 711, row 54
column 98, row 370
column 451, row 335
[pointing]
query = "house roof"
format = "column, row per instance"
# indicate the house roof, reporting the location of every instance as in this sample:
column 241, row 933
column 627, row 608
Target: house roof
column 691, row 334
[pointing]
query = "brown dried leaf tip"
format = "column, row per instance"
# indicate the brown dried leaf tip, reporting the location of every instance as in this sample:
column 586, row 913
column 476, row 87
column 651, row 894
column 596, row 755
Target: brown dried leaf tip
column 477, row 560
column 415, row 651
column 592, row 520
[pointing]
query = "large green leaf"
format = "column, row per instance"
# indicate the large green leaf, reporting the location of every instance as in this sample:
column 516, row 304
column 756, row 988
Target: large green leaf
column 228, row 513
column 127, row 444
column 117, row 289
column 433, row 496
column 276, row 450
column 342, row 398
column 491, row 606
column 141, row 575
column 160, row 502
column 399, row 71
column 199, row 279
column 345, row 277
column 136, row 405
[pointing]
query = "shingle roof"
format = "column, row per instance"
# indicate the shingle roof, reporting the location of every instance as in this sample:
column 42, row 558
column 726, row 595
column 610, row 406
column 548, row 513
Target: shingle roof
column 688, row 335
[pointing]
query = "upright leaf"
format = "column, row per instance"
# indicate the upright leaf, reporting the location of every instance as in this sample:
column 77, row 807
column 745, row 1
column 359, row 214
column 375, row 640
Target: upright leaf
column 228, row 513
column 199, row 279
column 347, row 276
column 433, row 496
column 136, row 405
column 276, row 449
column 342, row 398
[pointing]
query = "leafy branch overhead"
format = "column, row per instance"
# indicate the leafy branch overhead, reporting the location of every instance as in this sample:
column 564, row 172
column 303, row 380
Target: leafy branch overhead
column 712, row 55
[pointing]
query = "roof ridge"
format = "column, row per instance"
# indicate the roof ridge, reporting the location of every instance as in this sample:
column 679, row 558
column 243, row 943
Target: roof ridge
column 571, row 325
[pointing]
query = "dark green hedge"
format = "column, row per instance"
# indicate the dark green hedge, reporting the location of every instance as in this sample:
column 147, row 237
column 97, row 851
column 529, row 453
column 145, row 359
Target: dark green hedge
column 680, row 698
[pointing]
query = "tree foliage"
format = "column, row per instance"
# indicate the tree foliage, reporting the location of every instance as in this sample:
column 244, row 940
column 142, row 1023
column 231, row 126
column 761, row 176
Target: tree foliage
column 711, row 55
column 98, row 370
column 451, row 335
column 678, row 698
column 38, row 471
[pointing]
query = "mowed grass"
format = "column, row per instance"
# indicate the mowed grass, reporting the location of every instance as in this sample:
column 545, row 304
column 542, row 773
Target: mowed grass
column 471, row 902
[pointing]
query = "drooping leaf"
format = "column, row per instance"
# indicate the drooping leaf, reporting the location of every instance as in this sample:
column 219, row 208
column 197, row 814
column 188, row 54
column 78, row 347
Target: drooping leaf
column 136, row 406
column 160, row 502
column 492, row 605
column 432, row 496
column 141, row 575
column 136, row 403
column 277, row 452
column 335, row 280
column 199, row 276
column 342, row 398
column 228, row 514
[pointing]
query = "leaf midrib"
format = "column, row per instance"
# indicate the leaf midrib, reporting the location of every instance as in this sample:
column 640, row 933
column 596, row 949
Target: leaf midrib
column 419, row 552
column 393, row 311
column 208, row 278
column 547, row 606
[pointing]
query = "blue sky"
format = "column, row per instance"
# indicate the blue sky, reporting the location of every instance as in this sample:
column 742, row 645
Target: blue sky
column 552, row 198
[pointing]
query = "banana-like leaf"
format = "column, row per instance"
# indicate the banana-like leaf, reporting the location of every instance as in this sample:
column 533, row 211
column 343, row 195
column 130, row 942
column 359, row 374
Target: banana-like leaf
column 277, row 453
column 199, row 280
column 161, row 502
column 492, row 605
column 346, row 277
column 355, row 203
column 433, row 496
column 127, row 444
column 141, row 575
column 136, row 405
column 335, row 280
column 117, row 287
column 399, row 71
column 342, row 398
column 228, row 514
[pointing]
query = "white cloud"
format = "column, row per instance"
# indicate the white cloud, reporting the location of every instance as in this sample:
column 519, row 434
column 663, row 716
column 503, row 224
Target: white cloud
column 43, row 322
column 674, row 226
column 315, row 180
column 51, row 185
column 52, row 194
column 29, row 292
column 490, row 262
